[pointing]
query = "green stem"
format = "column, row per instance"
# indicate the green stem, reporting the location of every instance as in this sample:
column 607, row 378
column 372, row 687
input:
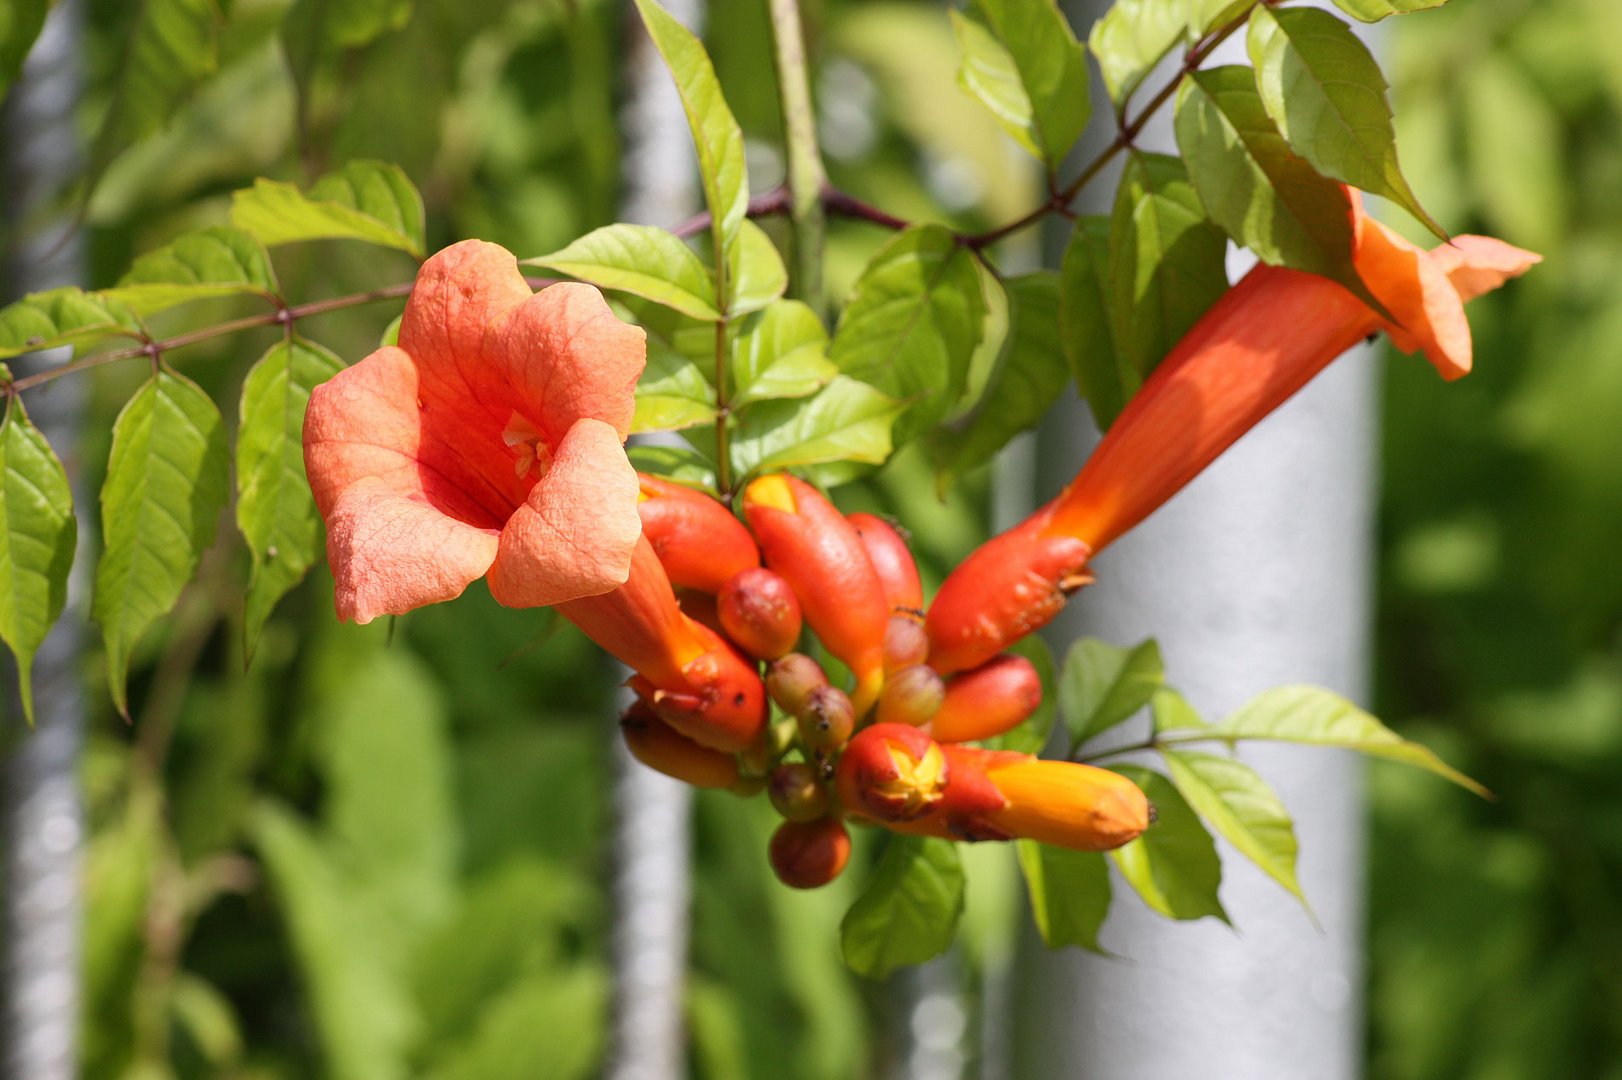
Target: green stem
column 805, row 173
column 1153, row 742
column 723, row 413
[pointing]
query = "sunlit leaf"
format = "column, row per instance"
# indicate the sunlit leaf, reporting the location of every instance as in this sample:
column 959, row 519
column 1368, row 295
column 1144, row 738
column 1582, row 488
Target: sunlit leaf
column 1051, row 67
column 1131, row 38
column 365, row 200
column 988, row 71
column 1239, row 805
column 756, row 272
column 65, row 316
column 643, row 260
column 1103, row 376
column 167, row 480
column 909, row 909
column 782, row 352
column 1069, row 893
column 1102, row 684
column 1326, row 93
column 1171, row 711
column 672, row 393
column 1173, row 866
column 173, row 46
column 845, row 421
column 275, row 512
column 38, row 534
column 20, row 23
column 216, row 261
column 1375, row 10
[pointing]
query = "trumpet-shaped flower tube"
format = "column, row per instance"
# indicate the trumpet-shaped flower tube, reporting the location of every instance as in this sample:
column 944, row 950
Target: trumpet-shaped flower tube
column 487, row 443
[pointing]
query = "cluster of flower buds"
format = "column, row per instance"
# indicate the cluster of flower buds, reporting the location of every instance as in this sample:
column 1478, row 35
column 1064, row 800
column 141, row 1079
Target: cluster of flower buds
column 711, row 602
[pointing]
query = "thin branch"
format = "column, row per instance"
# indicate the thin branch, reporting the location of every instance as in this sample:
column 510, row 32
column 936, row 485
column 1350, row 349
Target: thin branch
column 844, row 204
column 806, row 177
column 775, row 201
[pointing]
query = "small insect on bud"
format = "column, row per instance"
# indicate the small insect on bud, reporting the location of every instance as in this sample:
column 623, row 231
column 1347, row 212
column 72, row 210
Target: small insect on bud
column 790, row 680
column 809, row 854
column 760, row 613
column 911, row 696
column 905, row 643
column 826, row 720
column 795, row 792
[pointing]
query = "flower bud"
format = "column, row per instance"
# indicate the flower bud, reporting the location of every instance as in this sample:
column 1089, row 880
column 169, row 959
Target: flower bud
column 887, row 550
column 698, row 540
column 795, row 792
column 826, row 720
column 718, row 701
column 905, row 643
column 911, row 696
column 790, row 679
column 660, row 747
column 995, row 697
column 809, row 854
column 891, row 772
column 759, row 612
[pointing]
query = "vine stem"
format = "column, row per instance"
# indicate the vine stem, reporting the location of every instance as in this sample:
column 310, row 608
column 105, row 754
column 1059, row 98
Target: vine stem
column 1153, row 742
column 806, row 177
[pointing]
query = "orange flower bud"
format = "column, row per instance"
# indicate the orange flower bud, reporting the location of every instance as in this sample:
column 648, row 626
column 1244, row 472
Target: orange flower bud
column 911, row 696
column 795, row 792
column 661, row 747
column 887, row 549
column 822, row 557
column 892, row 772
column 790, row 680
column 759, row 612
column 809, row 854
column 701, row 544
column 826, row 719
column 995, row 697
column 905, row 643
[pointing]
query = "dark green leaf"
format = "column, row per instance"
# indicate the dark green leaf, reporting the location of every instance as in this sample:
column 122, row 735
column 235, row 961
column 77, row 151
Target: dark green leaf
column 1326, row 93
column 1240, row 806
column 846, row 421
column 20, row 23
column 643, row 260
column 1028, row 378
column 365, row 200
column 780, row 353
column 37, row 538
column 912, row 324
column 1105, row 378
column 352, row 23
column 167, row 480
column 1103, row 684
column 1030, row 70
column 1069, row 892
column 1174, row 864
column 66, row 316
column 1030, row 736
column 1167, row 261
column 173, row 46
column 1131, row 38
column 672, row 393
column 755, row 271
column 275, row 513
column 909, row 910
column 1375, row 10
column 1316, row 717
column 216, row 261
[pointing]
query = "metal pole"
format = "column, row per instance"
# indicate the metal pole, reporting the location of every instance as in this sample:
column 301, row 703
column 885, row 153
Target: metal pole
column 44, row 821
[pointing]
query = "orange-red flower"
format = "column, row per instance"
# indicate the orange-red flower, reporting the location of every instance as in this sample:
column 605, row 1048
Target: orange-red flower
column 488, row 443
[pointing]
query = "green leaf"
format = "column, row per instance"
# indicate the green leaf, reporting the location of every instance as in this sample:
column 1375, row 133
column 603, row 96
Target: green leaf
column 1375, row 10
column 167, row 480
column 1239, row 805
column 1316, row 717
column 716, row 134
column 351, row 23
column 549, row 1023
column 173, row 47
column 365, row 200
column 38, row 534
column 1104, row 377
column 1326, row 93
column 216, row 261
column 1028, row 378
column 1174, row 864
column 1050, row 67
column 1131, row 38
column 988, row 72
column 65, row 316
column 1171, row 711
column 909, row 909
column 846, row 421
column 672, row 393
column 1103, row 685
column 1167, row 261
column 782, row 352
column 643, row 260
column 912, row 324
column 1256, row 187
column 203, row 1011
column 1069, row 892
column 20, row 23
column 275, row 512
column 1031, row 735
column 755, row 270
column 1205, row 16
column 682, row 464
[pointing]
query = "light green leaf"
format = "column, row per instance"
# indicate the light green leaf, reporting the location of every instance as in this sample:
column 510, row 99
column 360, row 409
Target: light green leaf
column 716, row 134
column 20, row 23
column 275, row 512
column 1326, row 93
column 1171, row 711
column 1103, row 376
column 780, row 353
column 1050, row 67
column 1028, row 378
column 912, row 324
column 682, row 464
column 1256, row 187
column 1069, row 892
column 1173, row 866
column 988, row 72
column 755, row 271
column 639, row 259
column 167, row 480
column 65, row 316
column 1205, row 16
column 1031, row 735
column 1375, row 10
column 365, row 200
column 672, row 393
column 846, row 421
column 1239, row 805
column 1131, row 38
column 1316, row 717
column 216, row 261
column 203, row 1011
column 549, row 1023
column 173, row 46
column 909, row 910
column 38, row 534
column 1167, row 261
column 1103, row 685
column 351, row 23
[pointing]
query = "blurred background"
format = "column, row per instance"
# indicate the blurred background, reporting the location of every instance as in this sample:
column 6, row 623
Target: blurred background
column 275, row 886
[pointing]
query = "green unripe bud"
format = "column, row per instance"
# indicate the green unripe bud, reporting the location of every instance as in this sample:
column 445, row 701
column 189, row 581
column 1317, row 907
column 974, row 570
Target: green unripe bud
column 795, row 792
column 827, row 720
column 790, row 680
column 911, row 696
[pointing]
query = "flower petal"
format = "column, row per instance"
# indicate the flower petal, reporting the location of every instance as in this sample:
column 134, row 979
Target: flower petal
column 567, row 356
column 1479, row 264
column 1415, row 289
column 460, row 292
column 575, row 535
column 392, row 552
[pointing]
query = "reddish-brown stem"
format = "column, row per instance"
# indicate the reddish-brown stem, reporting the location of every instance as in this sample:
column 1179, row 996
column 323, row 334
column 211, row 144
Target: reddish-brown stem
column 775, row 201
